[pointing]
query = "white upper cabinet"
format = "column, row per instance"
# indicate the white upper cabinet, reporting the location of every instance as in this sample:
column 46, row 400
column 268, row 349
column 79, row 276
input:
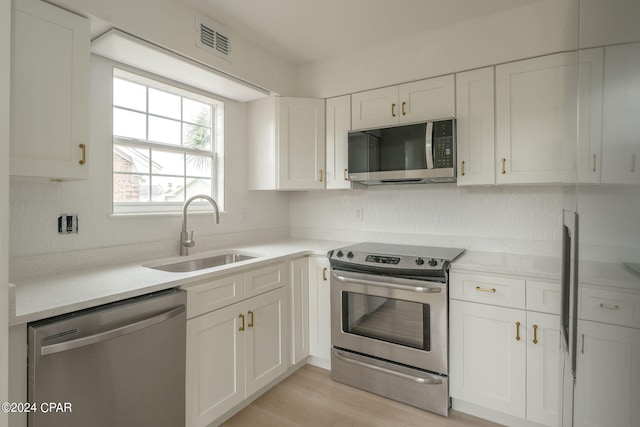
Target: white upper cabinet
column 50, row 71
column 535, row 118
column 407, row 103
column 589, row 153
column 286, row 144
column 475, row 127
column 621, row 127
column 338, row 119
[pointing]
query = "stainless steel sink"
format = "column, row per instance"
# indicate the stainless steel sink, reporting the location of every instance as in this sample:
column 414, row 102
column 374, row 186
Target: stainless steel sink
column 202, row 263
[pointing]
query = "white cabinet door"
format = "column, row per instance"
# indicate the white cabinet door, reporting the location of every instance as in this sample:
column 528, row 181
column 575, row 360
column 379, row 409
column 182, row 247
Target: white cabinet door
column 215, row 379
column 338, row 126
column 608, row 376
column 50, row 92
column 543, row 368
column 536, row 119
column 475, row 127
column 589, row 154
column 299, row 309
column 621, row 127
column 374, row 108
column 488, row 361
column 320, row 309
column 267, row 331
column 418, row 101
column 301, row 140
column 428, row 99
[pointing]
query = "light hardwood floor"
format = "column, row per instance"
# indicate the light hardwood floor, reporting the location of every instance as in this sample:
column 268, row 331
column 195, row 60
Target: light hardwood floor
column 310, row 398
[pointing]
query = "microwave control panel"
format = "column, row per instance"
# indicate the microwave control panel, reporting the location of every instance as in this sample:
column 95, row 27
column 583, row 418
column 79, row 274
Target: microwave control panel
column 443, row 144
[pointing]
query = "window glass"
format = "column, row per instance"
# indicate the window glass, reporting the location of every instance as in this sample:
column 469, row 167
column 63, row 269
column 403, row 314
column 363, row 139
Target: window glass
column 167, row 145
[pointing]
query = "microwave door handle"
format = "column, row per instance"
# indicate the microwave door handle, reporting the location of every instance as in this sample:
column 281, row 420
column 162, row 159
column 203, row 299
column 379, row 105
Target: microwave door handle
column 428, row 150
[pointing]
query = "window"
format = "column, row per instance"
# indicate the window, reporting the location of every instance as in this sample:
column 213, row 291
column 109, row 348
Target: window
column 167, row 145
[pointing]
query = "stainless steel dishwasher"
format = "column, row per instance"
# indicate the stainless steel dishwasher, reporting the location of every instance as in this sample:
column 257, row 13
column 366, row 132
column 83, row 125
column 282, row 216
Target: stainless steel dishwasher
column 118, row 365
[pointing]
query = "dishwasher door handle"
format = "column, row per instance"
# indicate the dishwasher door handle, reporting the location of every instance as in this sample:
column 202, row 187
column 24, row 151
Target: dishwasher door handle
column 112, row 333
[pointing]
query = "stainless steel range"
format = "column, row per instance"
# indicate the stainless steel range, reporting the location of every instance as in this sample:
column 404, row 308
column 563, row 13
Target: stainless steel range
column 389, row 321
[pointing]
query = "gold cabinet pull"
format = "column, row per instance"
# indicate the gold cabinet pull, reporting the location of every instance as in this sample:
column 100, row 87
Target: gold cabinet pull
column 503, row 162
column 241, row 326
column 83, row 147
column 393, row 110
column 320, row 175
column 462, row 167
column 346, row 177
column 403, row 112
column 609, row 307
column 492, row 290
column 250, row 313
column 324, row 274
column 535, row 334
column 517, row 331
column 594, row 162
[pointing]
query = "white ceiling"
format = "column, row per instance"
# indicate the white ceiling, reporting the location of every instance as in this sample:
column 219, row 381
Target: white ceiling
column 304, row 31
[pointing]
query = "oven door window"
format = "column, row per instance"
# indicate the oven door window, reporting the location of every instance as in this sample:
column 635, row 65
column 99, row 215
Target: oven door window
column 392, row 320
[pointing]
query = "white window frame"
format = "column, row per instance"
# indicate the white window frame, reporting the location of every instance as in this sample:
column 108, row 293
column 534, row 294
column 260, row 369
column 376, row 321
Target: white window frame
column 217, row 142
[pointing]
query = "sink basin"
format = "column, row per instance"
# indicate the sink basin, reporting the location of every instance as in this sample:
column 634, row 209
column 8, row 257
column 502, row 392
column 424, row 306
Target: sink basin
column 202, row 263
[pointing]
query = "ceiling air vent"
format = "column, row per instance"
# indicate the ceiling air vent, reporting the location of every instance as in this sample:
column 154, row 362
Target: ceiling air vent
column 213, row 38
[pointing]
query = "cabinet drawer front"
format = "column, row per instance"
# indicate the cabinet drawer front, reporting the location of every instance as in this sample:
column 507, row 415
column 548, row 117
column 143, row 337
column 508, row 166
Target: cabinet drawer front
column 507, row 292
column 265, row 279
column 617, row 308
column 207, row 296
column 543, row 297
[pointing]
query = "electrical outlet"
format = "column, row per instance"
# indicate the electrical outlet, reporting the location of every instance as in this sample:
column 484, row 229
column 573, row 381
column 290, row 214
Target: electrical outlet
column 358, row 214
column 68, row 224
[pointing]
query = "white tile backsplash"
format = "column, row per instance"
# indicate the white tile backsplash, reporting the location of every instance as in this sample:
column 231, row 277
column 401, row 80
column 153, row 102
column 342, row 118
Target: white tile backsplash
column 517, row 219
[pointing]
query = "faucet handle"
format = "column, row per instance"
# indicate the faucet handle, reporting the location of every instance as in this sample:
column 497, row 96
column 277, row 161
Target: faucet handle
column 190, row 243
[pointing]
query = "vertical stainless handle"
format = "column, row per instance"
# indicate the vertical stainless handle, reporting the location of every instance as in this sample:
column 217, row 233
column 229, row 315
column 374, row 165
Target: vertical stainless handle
column 594, row 162
column 582, row 351
column 428, row 151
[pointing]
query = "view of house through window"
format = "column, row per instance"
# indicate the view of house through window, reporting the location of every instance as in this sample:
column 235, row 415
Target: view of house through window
column 167, row 145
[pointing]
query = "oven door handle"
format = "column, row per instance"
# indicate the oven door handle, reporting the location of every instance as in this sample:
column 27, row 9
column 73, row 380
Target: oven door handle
column 419, row 380
column 388, row 283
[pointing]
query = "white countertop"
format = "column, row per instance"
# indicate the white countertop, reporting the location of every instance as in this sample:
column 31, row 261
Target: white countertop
column 42, row 297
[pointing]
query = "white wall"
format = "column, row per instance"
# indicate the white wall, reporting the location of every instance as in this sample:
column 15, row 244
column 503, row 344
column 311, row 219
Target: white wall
column 540, row 28
column 5, row 83
column 171, row 24
column 35, row 206
column 516, row 219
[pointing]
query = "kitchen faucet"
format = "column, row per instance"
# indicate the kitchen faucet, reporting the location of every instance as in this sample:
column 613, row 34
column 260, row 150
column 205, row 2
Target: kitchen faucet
column 186, row 240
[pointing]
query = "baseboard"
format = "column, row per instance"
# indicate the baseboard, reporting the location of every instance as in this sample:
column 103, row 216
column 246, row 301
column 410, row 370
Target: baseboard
column 491, row 415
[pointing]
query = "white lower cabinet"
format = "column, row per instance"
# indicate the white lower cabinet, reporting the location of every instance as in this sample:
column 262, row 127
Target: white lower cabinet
column 543, row 368
column 233, row 352
column 299, row 309
column 608, row 376
column 504, row 344
column 488, row 362
column 319, row 311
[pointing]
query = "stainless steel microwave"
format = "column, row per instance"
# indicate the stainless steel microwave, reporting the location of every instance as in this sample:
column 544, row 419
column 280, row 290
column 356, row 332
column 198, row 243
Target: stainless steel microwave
column 416, row 153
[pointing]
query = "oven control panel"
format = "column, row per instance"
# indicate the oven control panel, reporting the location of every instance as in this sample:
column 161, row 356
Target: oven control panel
column 380, row 259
